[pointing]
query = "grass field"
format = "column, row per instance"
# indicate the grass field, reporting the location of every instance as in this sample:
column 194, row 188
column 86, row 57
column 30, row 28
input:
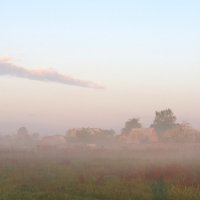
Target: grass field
column 147, row 173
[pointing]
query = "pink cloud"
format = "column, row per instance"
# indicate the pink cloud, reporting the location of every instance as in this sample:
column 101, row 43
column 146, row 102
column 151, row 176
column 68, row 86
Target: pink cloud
column 47, row 75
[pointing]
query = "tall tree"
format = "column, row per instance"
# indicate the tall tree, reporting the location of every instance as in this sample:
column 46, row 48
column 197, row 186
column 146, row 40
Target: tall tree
column 164, row 120
column 130, row 124
column 22, row 132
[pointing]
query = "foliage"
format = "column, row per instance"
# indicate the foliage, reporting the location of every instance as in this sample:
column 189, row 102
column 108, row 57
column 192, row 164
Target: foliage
column 96, row 176
column 183, row 133
column 91, row 135
column 130, row 124
column 164, row 120
column 22, row 133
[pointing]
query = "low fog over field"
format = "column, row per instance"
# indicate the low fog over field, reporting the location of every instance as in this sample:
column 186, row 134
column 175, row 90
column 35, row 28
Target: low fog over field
column 160, row 162
column 99, row 100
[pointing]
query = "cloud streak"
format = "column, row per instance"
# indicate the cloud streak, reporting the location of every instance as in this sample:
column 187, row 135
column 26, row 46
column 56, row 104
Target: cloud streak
column 46, row 75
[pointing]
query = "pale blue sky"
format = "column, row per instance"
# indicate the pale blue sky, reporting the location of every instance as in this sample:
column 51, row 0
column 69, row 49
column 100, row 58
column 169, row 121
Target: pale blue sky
column 146, row 53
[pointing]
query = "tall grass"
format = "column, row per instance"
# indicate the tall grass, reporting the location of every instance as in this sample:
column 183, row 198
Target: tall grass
column 110, row 175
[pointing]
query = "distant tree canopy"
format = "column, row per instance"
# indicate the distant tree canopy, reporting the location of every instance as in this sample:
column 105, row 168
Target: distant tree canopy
column 164, row 120
column 181, row 133
column 90, row 135
column 22, row 133
column 130, row 124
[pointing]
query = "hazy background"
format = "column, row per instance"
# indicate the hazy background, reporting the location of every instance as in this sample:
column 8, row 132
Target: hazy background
column 145, row 53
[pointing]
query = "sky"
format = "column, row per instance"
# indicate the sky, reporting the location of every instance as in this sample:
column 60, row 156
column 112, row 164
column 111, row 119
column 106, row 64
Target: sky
column 90, row 63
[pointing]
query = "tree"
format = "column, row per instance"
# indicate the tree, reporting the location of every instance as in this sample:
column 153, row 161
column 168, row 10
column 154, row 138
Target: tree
column 130, row 124
column 22, row 133
column 164, row 120
column 90, row 135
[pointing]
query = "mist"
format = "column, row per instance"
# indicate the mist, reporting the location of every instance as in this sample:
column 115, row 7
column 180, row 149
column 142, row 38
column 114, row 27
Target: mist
column 112, row 111
column 162, row 160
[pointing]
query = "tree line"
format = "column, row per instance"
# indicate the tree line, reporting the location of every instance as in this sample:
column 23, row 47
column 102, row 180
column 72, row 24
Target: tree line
column 163, row 121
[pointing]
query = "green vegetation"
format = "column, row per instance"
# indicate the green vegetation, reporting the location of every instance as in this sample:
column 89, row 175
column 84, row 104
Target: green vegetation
column 164, row 120
column 148, row 173
column 130, row 124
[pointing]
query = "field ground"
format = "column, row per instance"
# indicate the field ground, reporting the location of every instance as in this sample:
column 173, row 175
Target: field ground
column 169, row 172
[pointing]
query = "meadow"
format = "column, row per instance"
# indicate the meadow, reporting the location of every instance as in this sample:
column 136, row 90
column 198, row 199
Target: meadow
column 152, row 172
